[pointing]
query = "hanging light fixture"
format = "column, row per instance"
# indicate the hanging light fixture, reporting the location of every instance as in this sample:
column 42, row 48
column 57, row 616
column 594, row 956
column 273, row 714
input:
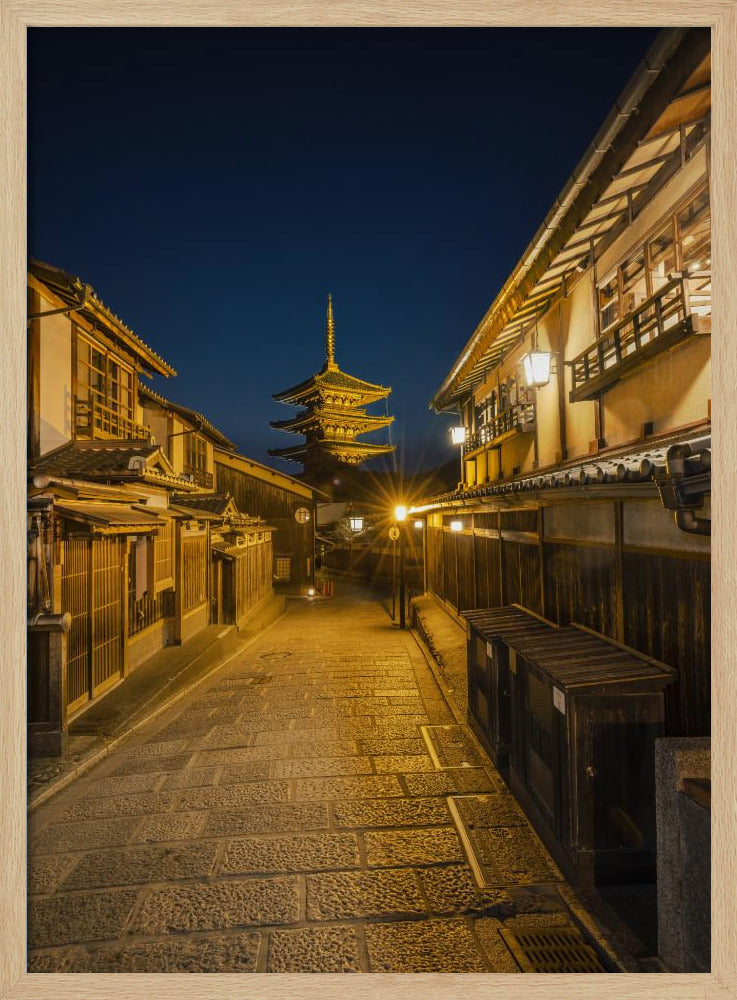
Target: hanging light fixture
column 536, row 365
column 458, row 435
column 356, row 523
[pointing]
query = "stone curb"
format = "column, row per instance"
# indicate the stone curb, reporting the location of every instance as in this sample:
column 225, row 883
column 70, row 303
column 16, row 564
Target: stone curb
column 112, row 743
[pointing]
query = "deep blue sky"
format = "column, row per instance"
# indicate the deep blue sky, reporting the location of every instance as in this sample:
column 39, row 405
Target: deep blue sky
column 214, row 185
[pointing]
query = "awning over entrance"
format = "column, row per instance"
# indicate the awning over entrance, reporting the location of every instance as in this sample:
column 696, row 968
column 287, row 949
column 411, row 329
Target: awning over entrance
column 112, row 518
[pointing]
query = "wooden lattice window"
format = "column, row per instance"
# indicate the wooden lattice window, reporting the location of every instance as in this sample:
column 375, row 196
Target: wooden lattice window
column 283, row 568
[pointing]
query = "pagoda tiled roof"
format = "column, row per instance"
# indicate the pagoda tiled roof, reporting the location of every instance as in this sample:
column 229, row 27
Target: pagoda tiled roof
column 329, row 415
column 332, row 448
column 331, row 377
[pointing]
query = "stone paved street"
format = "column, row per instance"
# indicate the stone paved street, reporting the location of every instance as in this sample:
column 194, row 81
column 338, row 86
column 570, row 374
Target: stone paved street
column 286, row 817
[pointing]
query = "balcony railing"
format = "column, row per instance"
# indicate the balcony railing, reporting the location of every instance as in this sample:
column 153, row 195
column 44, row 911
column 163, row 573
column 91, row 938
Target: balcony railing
column 93, row 419
column 518, row 418
column 199, row 477
column 670, row 315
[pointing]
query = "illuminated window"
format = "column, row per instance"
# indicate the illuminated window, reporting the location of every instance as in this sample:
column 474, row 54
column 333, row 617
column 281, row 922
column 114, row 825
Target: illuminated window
column 283, row 568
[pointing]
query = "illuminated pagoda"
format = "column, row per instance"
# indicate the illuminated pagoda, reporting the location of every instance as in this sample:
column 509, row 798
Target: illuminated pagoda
column 332, row 416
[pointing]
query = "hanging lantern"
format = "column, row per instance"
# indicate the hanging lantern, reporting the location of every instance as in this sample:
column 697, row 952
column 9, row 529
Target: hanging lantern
column 356, row 524
column 458, row 435
column 536, row 367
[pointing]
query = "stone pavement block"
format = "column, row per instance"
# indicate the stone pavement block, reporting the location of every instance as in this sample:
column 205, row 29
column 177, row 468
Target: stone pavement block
column 361, row 787
column 214, row 953
column 391, row 812
column 298, row 853
column 403, row 764
column 271, row 818
column 83, row 834
column 122, row 784
column 328, row 748
column 316, row 767
column 238, row 755
column 314, row 949
column 250, row 770
column 218, row 905
column 467, row 779
column 499, row 956
column 412, row 847
column 170, row 826
column 193, row 777
column 351, row 895
column 411, row 745
column 423, row 946
column 293, row 736
column 152, row 765
column 164, row 748
column 453, row 889
column 537, row 920
column 79, row 916
column 234, row 796
column 137, row 804
column 221, row 737
column 46, row 873
column 137, row 865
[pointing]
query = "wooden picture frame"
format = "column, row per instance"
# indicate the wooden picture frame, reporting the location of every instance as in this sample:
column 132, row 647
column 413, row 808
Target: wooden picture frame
column 15, row 17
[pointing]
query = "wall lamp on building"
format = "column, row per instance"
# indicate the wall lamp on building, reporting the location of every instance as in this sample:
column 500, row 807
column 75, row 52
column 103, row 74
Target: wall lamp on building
column 458, row 435
column 356, row 523
column 537, row 366
column 419, row 525
column 456, row 525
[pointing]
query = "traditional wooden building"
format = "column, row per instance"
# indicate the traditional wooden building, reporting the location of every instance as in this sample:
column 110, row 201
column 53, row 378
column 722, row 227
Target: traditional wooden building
column 333, row 417
column 116, row 568
column 288, row 504
column 583, row 398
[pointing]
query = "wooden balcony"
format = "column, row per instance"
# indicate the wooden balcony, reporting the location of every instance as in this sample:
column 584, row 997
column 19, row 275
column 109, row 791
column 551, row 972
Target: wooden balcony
column 659, row 323
column 516, row 419
column 199, row 477
column 93, row 419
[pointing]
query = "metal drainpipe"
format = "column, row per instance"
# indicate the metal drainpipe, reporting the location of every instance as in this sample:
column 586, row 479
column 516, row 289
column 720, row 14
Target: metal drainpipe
column 675, row 462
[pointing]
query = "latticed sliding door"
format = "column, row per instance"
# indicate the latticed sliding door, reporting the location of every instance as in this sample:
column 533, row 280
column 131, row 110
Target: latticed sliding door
column 107, row 626
column 75, row 596
column 91, row 593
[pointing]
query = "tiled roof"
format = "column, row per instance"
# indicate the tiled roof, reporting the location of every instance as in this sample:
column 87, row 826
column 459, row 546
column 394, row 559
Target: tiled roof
column 114, row 459
column 82, row 297
column 333, row 378
column 193, row 416
column 213, row 503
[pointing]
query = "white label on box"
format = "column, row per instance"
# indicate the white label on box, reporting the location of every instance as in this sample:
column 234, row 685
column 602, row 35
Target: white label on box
column 488, row 649
column 559, row 700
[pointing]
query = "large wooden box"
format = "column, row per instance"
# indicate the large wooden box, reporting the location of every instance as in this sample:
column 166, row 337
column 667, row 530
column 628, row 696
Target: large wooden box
column 585, row 713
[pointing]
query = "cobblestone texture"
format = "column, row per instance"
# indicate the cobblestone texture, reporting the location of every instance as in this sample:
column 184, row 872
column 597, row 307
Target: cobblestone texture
column 314, row 949
column 286, row 817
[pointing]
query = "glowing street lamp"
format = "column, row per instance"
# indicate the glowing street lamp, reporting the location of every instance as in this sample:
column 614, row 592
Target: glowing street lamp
column 456, row 525
column 418, row 525
column 356, row 524
column 458, row 435
column 400, row 515
column 536, row 366
column 400, row 512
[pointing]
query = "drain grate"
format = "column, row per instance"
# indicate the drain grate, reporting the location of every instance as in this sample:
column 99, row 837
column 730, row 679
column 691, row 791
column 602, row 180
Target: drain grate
column 553, row 949
column 452, row 746
column 502, row 849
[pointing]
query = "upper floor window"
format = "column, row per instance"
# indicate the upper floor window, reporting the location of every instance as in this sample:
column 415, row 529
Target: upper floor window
column 195, row 453
column 104, row 392
column 681, row 248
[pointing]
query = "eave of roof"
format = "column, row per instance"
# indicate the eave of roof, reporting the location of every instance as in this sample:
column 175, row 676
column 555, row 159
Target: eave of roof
column 69, row 288
column 671, row 60
column 333, row 378
column 202, row 424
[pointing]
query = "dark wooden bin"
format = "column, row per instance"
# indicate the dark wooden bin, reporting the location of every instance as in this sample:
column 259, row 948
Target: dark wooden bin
column 585, row 714
column 488, row 671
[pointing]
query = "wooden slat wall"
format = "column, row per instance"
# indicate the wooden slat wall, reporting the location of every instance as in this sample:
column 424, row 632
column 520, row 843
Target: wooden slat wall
column 194, row 572
column 657, row 602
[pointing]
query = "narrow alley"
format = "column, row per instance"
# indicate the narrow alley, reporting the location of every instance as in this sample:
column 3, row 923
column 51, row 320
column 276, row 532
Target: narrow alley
column 304, row 810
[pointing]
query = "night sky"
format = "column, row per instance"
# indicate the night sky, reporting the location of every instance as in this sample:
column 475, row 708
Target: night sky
column 214, row 185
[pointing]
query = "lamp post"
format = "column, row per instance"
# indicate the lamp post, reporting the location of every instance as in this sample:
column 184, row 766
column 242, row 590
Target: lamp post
column 400, row 514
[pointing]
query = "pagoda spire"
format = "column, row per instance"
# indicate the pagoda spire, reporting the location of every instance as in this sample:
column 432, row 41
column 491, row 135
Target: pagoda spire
column 330, row 336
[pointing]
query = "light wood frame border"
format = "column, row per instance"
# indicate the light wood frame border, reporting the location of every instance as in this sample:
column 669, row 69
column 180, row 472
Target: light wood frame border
column 15, row 17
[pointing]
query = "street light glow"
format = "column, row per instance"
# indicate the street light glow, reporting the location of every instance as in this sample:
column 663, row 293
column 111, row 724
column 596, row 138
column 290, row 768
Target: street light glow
column 458, row 435
column 356, row 524
column 456, row 525
column 400, row 512
column 418, row 525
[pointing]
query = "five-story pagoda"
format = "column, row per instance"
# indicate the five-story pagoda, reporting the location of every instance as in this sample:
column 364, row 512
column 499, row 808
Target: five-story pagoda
column 332, row 418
